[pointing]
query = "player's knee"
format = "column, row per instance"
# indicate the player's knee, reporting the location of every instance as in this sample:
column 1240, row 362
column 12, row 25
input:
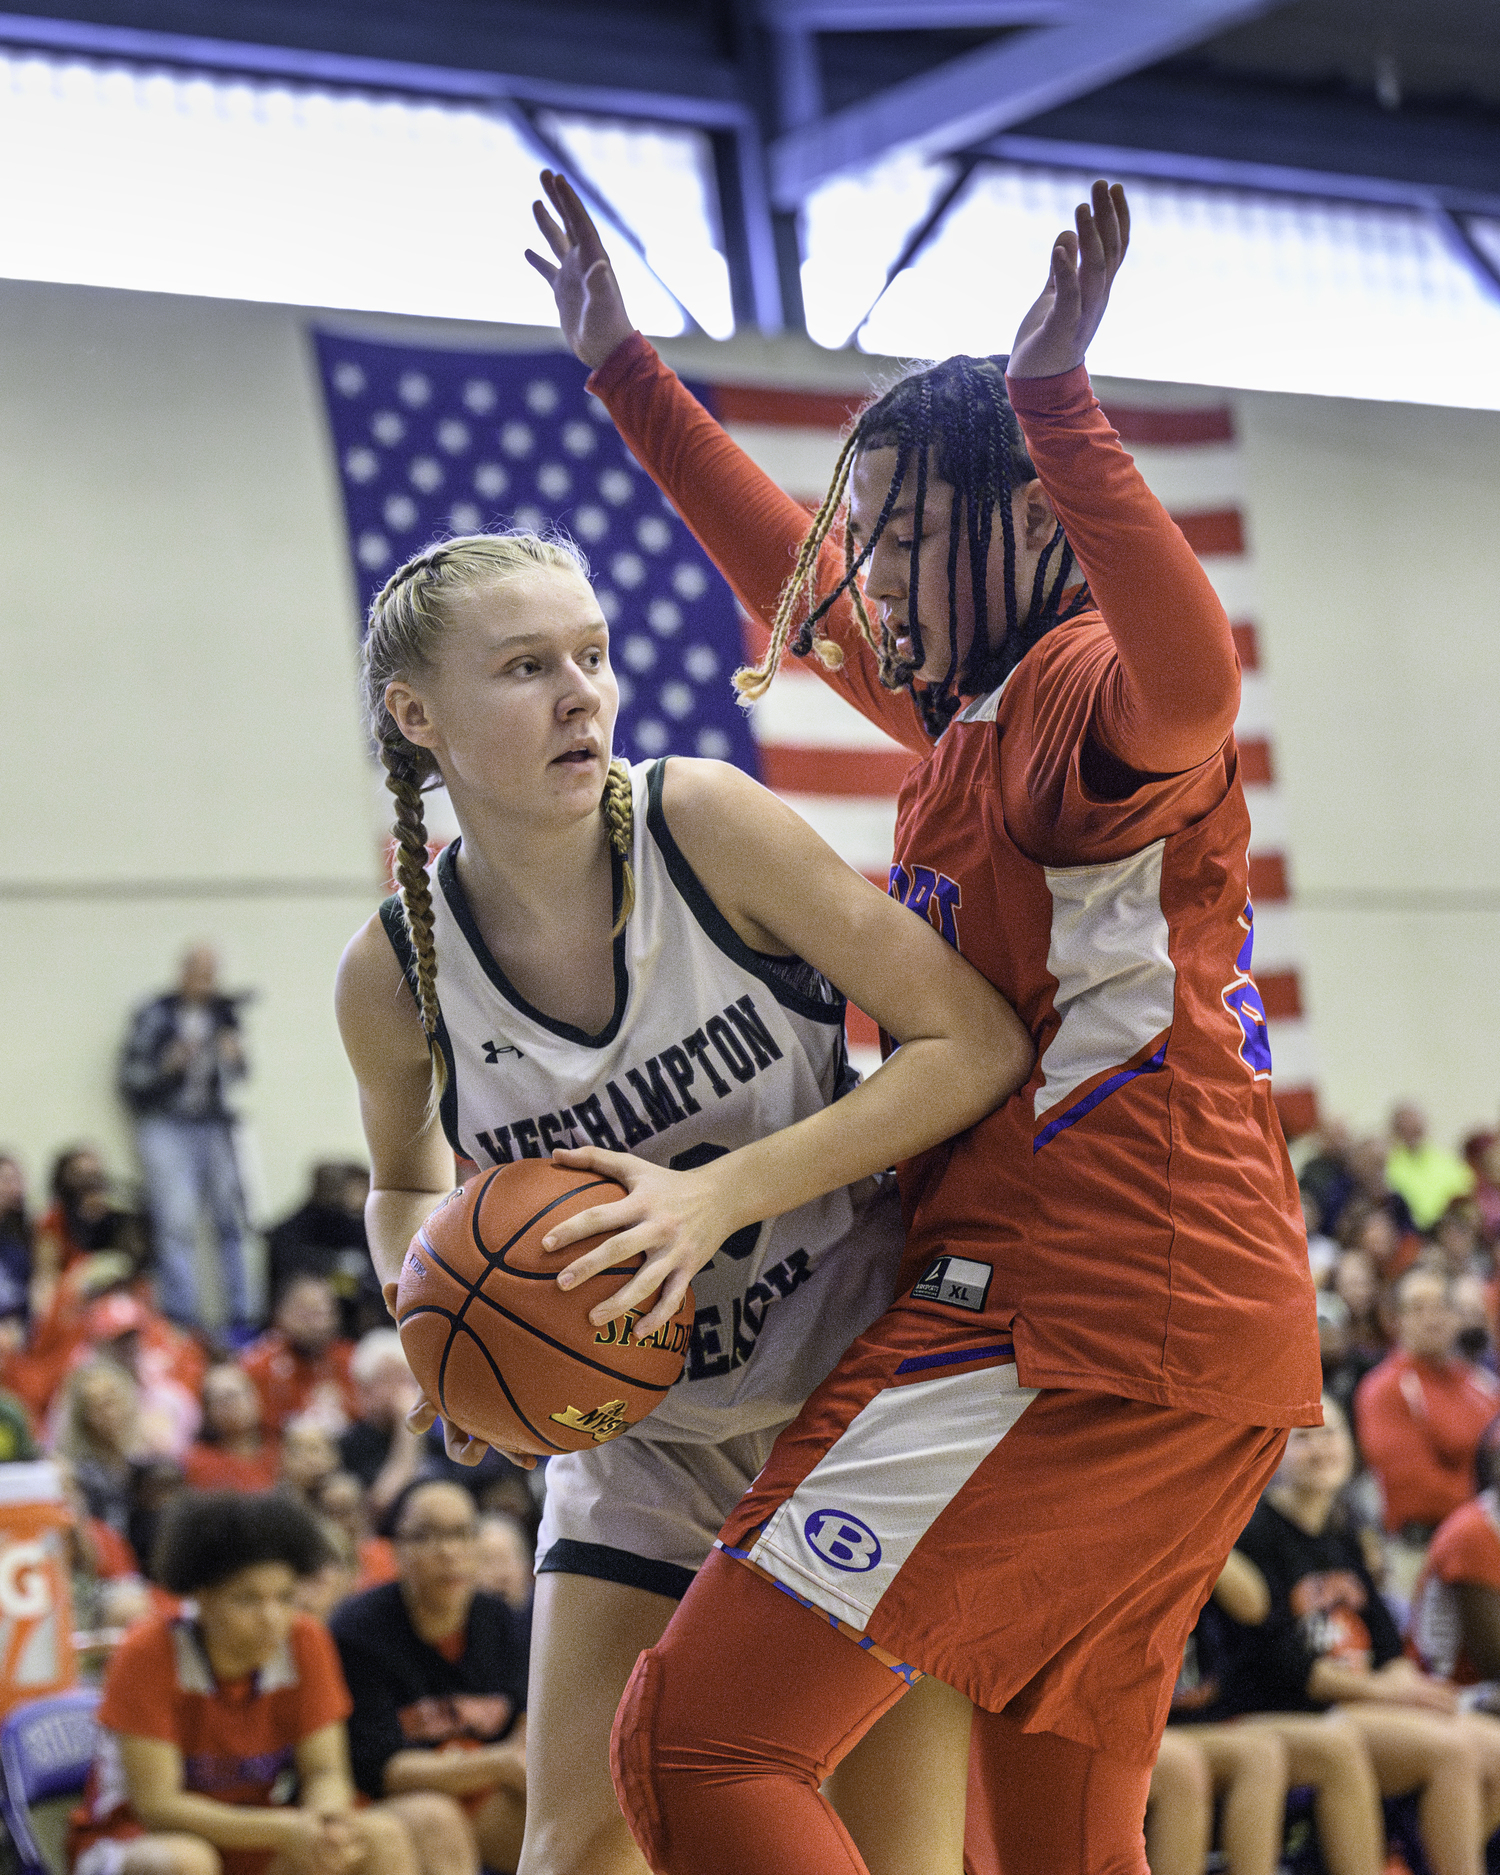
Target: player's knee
column 193, row 1856
column 386, row 1840
column 1332, row 1752
column 1263, row 1758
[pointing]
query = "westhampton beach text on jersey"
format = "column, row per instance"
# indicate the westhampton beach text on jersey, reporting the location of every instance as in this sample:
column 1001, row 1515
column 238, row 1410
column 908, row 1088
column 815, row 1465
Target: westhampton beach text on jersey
column 656, row 1095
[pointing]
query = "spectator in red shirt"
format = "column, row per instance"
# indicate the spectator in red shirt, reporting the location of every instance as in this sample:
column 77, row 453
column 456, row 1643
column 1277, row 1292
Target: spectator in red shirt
column 1421, row 1412
column 300, row 1366
column 1455, row 1607
column 222, row 1746
column 231, row 1452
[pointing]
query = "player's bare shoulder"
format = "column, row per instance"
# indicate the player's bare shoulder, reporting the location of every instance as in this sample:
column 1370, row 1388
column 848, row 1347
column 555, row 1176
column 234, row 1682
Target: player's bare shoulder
column 377, row 1013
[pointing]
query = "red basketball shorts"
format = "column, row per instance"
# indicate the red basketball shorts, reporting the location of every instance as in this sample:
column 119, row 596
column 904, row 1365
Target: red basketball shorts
column 1046, row 1553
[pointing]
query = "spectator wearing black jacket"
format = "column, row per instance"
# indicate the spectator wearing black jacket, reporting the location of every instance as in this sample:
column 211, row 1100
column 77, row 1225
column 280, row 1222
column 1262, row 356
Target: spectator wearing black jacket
column 1327, row 1639
column 181, row 1055
column 437, row 1672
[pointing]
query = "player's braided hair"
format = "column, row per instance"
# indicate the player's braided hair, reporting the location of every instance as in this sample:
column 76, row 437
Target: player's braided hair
column 953, row 421
column 403, row 636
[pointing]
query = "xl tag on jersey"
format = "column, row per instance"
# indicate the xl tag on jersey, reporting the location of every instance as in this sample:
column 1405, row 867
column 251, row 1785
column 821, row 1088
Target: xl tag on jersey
column 957, row 1281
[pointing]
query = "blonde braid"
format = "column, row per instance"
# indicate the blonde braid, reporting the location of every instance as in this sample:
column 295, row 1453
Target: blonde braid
column 619, row 818
column 416, row 897
column 801, row 591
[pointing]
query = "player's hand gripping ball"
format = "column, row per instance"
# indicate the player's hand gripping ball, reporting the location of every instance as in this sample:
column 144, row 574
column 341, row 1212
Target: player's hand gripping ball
column 497, row 1347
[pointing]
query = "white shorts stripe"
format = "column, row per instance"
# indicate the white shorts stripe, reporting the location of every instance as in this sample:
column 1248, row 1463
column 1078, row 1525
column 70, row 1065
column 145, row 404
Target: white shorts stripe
column 844, row 1534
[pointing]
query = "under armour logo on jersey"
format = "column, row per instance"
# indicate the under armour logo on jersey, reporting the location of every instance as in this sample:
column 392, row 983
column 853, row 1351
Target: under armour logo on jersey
column 493, row 1051
column 842, row 1540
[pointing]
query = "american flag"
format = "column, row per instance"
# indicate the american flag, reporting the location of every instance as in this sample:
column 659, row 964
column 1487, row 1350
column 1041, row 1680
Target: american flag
column 432, row 442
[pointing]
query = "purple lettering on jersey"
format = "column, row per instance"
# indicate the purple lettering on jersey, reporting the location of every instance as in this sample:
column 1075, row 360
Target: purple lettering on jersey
column 931, row 895
column 1242, row 999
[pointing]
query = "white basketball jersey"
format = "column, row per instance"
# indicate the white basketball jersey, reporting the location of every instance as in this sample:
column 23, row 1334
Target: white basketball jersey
column 711, row 1045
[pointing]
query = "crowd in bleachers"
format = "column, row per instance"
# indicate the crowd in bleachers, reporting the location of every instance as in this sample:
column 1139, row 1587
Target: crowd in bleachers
column 154, row 1424
column 1352, row 1646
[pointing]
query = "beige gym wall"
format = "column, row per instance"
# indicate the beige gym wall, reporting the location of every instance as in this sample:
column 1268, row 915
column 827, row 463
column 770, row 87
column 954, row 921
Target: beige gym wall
column 183, row 758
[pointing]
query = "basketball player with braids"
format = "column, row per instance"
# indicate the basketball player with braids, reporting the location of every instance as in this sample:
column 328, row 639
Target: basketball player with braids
column 1026, row 1476
column 646, row 959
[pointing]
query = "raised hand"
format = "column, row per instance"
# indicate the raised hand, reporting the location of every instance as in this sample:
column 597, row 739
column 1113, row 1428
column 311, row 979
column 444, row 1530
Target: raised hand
column 589, row 303
column 1055, row 333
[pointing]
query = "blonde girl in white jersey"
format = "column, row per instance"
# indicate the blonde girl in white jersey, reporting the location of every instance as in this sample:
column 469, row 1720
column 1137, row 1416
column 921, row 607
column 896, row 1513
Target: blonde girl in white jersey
column 487, row 668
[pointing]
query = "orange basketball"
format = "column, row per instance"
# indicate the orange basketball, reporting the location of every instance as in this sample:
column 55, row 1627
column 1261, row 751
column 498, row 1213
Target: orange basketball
column 497, row 1347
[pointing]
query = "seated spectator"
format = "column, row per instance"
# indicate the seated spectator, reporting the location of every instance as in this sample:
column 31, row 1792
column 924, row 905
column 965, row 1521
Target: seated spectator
column 438, row 1676
column 231, row 1452
column 1471, row 1304
column 1370, row 1227
column 505, row 1557
column 223, row 1745
column 380, row 1448
column 1455, row 1238
column 83, row 1223
column 15, row 1242
column 340, row 1499
column 166, row 1366
column 300, row 1366
column 1327, row 1639
column 308, row 1456
column 1482, row 1156
column 1322, row 1251
column 156, row 1485
column 1455, row 1608
column 99, row 1435
column 325, row 1237
column 1420, row 1415
column 1428, row 1177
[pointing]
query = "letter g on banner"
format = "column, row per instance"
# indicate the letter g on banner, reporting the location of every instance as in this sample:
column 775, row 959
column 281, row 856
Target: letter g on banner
column 25, row 1582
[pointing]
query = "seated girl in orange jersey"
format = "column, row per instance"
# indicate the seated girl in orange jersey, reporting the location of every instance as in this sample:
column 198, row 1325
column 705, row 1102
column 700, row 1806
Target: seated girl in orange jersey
column 223, row 1749
column 1024, row 1479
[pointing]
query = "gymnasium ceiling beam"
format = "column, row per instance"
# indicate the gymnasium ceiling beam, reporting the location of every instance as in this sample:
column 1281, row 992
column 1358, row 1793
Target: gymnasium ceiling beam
column 977, row 95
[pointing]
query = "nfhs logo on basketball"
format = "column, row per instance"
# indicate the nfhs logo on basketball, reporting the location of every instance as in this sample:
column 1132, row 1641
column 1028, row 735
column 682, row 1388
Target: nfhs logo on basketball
column 499, row 1349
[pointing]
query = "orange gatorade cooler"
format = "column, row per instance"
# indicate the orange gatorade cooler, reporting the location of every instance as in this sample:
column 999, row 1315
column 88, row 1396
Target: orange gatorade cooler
column 36, row 1605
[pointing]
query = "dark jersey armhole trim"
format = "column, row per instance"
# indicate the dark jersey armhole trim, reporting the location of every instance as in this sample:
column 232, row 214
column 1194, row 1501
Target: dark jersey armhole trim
column 393, row 917
column 604, row 1564
column 458, row 904
column 695, row 896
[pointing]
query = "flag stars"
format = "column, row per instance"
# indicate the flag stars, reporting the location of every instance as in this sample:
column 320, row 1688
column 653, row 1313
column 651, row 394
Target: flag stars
column 616, row 487
column 713, row 744
column 400, row 512
column 639, row 652
column 677, row 699
column 454, row 436
column 361, row 464
column 387, row 427
column 415, row 389
column 465, row 518
column 541, row 397
column 689, row 581
column 491, row 480
column 701, row 663
column 650, row 737
column 426, row 474
column 579, row 440
column 479, row 396
column 653, row 533
column 628, row 569
column 348, row 378
column 553, row 480
column 517, row 439
column 373, row 550
column 664, row 617
column 590, row 522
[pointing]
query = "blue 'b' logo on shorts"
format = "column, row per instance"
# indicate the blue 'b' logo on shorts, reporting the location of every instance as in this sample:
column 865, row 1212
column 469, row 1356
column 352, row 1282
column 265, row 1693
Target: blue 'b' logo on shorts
column 842, row 1540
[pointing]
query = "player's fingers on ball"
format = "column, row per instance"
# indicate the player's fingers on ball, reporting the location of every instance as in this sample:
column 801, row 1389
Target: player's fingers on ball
column 598, row 1221
column 422, row 1415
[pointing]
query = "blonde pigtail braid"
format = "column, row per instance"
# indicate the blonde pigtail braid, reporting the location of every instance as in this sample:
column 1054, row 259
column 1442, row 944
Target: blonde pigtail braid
column 619, row 818
column 801, row 593
column 416, row 898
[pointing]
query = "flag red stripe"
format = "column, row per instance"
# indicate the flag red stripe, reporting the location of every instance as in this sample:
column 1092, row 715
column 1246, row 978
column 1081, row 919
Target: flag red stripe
column 1255, row 762
column 1216, row 530
column 1172, row 428
column 1268, row 881
column 1247, row 643
column 861, row 1029
column 1281, row 993
column 1298, row 1107
column 795, row 410
column 834, row 771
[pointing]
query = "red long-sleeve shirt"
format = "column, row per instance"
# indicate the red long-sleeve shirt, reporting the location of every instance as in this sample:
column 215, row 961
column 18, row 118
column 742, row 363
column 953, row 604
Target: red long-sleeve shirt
column 1419, row 1424
column 1134, row 1201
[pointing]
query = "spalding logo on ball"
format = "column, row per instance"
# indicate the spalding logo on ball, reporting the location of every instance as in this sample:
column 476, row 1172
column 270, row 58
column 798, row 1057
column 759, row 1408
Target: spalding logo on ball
column 498, row 1348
